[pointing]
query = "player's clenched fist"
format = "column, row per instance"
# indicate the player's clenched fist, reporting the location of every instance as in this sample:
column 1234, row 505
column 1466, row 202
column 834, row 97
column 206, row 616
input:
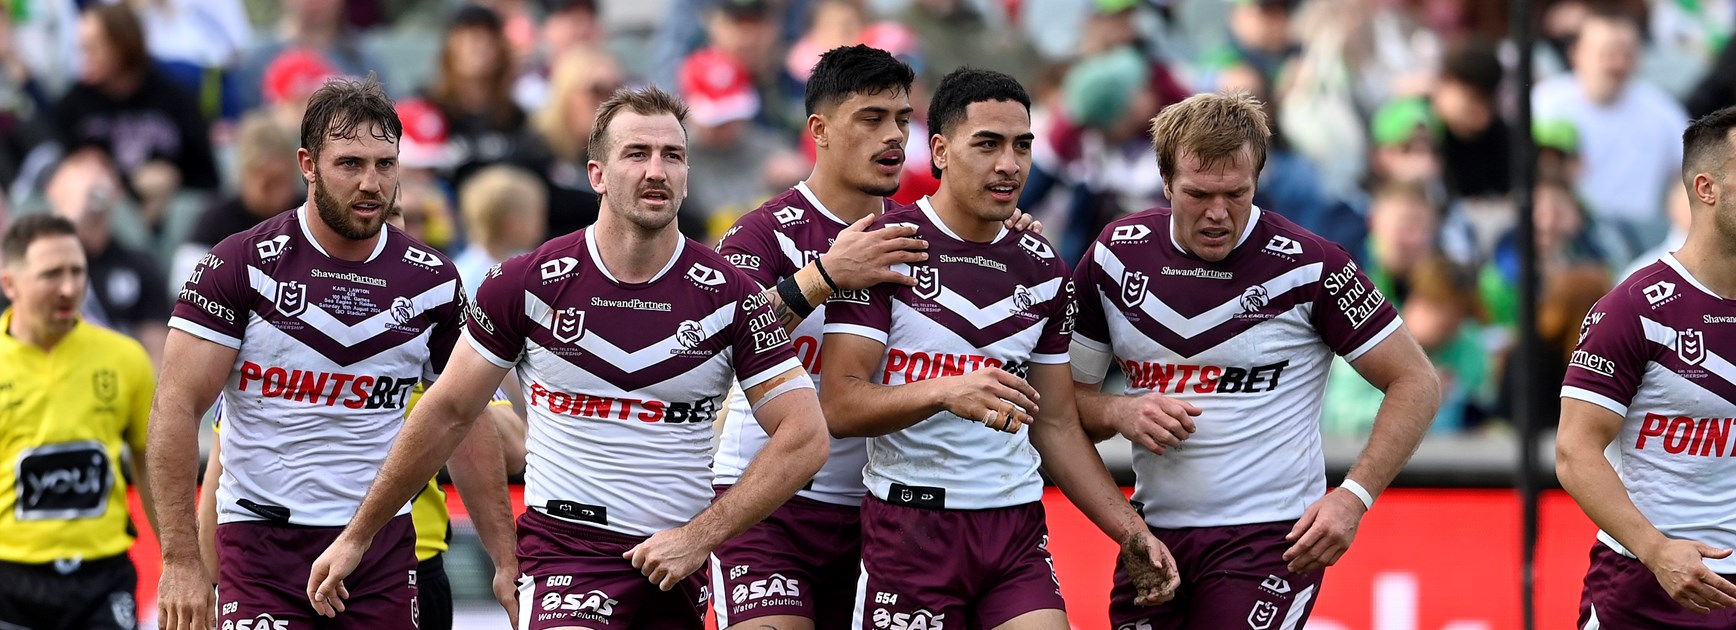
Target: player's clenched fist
column 670, row 555
column 994, row 397
column 1154, row 421
column 1680, row 567
column 860, row 258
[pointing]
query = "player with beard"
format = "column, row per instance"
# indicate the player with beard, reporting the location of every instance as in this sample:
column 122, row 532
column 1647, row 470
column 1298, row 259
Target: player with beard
column 942, row 376
column 314, row 326
column 625, row 337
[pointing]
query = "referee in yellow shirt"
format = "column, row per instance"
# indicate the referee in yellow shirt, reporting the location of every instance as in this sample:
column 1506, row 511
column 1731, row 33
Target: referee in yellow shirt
column 72, row 395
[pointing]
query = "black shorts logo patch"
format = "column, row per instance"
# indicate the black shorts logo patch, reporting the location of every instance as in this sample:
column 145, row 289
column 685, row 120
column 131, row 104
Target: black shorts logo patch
column 64, row 481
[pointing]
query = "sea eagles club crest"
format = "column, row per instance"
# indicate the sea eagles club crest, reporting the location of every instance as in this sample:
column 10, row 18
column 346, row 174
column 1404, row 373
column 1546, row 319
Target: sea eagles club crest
column 1133, row 287
column 569, row 325
column 927, row 282
column 291, row 298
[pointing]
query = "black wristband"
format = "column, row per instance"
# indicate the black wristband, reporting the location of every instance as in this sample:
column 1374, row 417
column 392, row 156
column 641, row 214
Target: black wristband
column 794, row 299
column 826, row 276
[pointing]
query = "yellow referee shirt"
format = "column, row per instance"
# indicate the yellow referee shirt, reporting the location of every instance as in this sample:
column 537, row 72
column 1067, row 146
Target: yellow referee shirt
column 65, row 413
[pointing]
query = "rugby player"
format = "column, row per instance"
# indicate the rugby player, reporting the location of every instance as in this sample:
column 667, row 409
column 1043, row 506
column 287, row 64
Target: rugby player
column 1225, row 319
column 625, row 338
column 942, row 377
column 1652, row 378
column 314, row 326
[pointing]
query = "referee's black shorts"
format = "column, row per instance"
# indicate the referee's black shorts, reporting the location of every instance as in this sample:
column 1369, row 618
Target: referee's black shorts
column 433, row 595
column 88, row 595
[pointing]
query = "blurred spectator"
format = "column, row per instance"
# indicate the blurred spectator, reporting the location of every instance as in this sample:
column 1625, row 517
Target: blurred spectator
column 312, row 24
column 121, row 103
column 473, row 90
column 1557, row 149
column 734, row 165
column 196, row 44
column 1406, row 134
column 519, row 26
column 128, row 292
column 1290, row 184
column 1477, row 147
column 955, row 33
column 22, row 97
column 1097, row 151
column 423, row 153
column 503, row 209
column 567, row 26
column 582, row 80
column 270, row 184
column 1717, row 89
column 291, row 80
column 1402, row 225
column 1629, row 130
column 1565, row 296
column 746, row 30
column 1681, row 214
column 835, row 23
column 1442, row 312
column 1564, row 239
column 1260, row 36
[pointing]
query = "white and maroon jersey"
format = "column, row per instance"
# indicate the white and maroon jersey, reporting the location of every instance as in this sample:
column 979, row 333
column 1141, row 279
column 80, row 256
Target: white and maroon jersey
column 1000, row 305
column 1657, row 351
column 328, row 352
column 1248, row 339
column 770, row 244
column 622, row 381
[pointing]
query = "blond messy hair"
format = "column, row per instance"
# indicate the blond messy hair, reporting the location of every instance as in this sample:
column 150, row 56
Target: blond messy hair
column 1212, row 128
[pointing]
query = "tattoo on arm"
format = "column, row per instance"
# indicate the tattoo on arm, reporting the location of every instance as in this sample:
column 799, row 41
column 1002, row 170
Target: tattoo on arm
column 786, row 317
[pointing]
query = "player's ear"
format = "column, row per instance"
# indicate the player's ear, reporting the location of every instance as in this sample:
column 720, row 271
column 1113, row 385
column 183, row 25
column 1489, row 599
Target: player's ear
column 817, row 130
column 937, row 150
column 594, row 172
column 1707, row 190
column 309, row 167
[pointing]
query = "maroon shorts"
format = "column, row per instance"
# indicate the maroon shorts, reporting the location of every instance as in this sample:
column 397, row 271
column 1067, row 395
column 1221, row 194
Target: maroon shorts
column 574, row 576
column 924, row 568
column 802, row 560
column 1620, row 592
column 1231, row 577
column 263, row 568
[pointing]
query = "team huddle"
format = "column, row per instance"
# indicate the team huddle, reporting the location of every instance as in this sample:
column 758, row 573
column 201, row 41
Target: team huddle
column 893, row 384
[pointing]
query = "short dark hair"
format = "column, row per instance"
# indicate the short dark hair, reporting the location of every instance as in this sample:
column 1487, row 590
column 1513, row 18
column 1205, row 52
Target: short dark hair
column 343, row 108
column 1706, row 145
column 123, row 29
column 961, row 87
column 645, row 101
column 846, row 71
column 29, row 229
column 1475, row 64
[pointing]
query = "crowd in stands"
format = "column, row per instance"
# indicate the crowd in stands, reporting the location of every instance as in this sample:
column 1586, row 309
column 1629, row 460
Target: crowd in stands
column 162, row 126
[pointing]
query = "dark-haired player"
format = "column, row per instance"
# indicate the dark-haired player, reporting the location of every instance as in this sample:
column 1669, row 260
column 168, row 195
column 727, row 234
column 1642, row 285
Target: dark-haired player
column 1653, row 379
column 314, row 326
column 943, row 375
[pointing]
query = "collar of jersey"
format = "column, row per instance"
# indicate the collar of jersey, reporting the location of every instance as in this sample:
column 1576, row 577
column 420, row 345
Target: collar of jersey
column 597, row 259
column 1253, row 220
column 808, row 193
column 934, row 217
column 302, row 219
column 1676, row 264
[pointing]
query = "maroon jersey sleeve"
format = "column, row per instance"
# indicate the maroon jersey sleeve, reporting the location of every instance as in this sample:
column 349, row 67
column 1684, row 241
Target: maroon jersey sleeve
column 863, row 312
column 1058, row 328
column 216, row 301
column 1611, row 356
column 448, row 327
column 752, row 246
column 497, row 321
column 761, row 346
column 1350, row 313
column 1091, row 325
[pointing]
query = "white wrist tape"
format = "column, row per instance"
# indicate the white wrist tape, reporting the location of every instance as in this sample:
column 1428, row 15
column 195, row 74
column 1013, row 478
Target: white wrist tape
column 785, row 388
column 1360, row 492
